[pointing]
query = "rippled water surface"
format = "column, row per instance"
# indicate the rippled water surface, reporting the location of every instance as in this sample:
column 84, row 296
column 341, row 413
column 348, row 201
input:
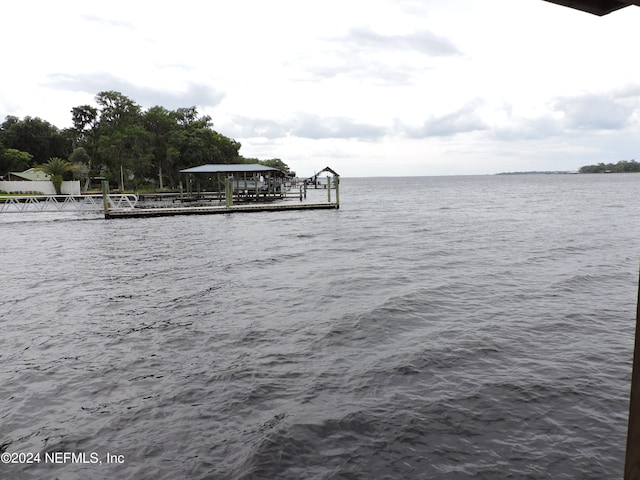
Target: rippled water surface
column 432, row 328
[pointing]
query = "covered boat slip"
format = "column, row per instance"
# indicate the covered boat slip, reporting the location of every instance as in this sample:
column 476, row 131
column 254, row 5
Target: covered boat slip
column 247, row 182
column 255, row 188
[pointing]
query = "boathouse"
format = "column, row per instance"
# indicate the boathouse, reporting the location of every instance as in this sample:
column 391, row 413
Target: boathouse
column 246, row 181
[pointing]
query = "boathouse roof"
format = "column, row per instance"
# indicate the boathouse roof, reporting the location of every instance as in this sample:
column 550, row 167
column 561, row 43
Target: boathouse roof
column 597, row 7
column 231, row 168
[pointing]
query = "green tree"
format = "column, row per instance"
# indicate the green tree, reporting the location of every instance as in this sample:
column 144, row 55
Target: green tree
column 84, row 118
column 150, row 146
column 36, row 136
column 622, row 166
column 57, row 168
column 82, row 163
column 161, row 124
column 12, row 160
column 117, row 110
column 122, row 142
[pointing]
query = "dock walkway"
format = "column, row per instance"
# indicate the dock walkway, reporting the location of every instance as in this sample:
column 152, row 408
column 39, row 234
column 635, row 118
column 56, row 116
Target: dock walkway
column 207, row 210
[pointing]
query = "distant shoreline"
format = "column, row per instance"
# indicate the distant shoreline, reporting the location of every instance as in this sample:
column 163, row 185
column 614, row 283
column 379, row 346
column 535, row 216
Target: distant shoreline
column 555, row 172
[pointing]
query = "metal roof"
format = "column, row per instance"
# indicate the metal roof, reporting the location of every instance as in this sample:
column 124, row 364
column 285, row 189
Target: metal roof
column 231, row 168
column 31, row 174
column 597, row 7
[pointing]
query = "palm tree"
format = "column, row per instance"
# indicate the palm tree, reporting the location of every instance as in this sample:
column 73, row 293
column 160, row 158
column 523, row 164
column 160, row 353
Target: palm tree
column 56, row 167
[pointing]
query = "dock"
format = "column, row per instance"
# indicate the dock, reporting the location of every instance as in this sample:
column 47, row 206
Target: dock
column 244, row 188
column 209, row 209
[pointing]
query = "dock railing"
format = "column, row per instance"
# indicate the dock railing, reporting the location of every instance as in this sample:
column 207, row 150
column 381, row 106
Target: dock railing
column 64, row 203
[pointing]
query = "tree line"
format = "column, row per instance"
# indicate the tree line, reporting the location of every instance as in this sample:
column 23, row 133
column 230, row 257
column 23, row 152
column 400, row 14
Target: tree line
column 622, row 166
column 120, row 141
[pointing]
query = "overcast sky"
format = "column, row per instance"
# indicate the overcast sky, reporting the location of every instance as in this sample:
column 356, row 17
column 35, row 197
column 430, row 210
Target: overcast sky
column 369, row 88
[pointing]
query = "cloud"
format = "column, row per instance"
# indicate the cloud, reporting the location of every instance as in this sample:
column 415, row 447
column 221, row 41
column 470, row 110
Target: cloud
column 367, row 55
column 197, row 94
column 423, row 41
column 316, row 127
column 572, row 116
column 593, row 112
column 305, row 125
column 245, row 127
column 541, row 127
column 364, row 70
column 463, row 120
column 109, row 23
column 628, row 91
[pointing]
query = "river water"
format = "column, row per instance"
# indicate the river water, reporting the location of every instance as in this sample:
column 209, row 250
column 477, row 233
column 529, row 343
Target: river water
column 431, row 328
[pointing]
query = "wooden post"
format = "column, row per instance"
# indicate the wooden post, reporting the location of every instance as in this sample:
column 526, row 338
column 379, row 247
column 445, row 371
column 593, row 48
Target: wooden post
column 337, row 182
column 632, row 456
column 245, row 185
column 229, row 191
column 329, row 188
column 305, row 190
column 300, row 192
column 105, row 197
column 257, row 177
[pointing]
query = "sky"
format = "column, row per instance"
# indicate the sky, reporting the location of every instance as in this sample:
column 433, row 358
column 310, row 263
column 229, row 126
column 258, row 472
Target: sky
column 368, row 88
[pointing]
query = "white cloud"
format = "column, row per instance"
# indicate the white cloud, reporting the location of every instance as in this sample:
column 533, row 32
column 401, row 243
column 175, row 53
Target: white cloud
column 423, row 41
column 594, row 112
column 182, row 95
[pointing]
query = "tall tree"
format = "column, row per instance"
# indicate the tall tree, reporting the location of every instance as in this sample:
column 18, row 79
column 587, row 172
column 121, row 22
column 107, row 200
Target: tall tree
column 160, row 123
column 84, row 118
column 122, row 140
column 117, row 110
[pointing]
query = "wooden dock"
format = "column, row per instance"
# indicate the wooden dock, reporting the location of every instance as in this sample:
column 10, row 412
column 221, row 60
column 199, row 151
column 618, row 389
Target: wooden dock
column 208, row 210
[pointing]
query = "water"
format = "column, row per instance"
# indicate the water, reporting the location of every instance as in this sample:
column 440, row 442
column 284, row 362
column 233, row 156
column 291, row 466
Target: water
column 432, row 328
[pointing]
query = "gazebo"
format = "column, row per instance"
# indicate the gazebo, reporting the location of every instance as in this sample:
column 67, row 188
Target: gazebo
column 313, row 180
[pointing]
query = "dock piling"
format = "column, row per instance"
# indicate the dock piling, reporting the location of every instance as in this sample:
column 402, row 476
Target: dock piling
column 105, row 196
column 229, row 191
